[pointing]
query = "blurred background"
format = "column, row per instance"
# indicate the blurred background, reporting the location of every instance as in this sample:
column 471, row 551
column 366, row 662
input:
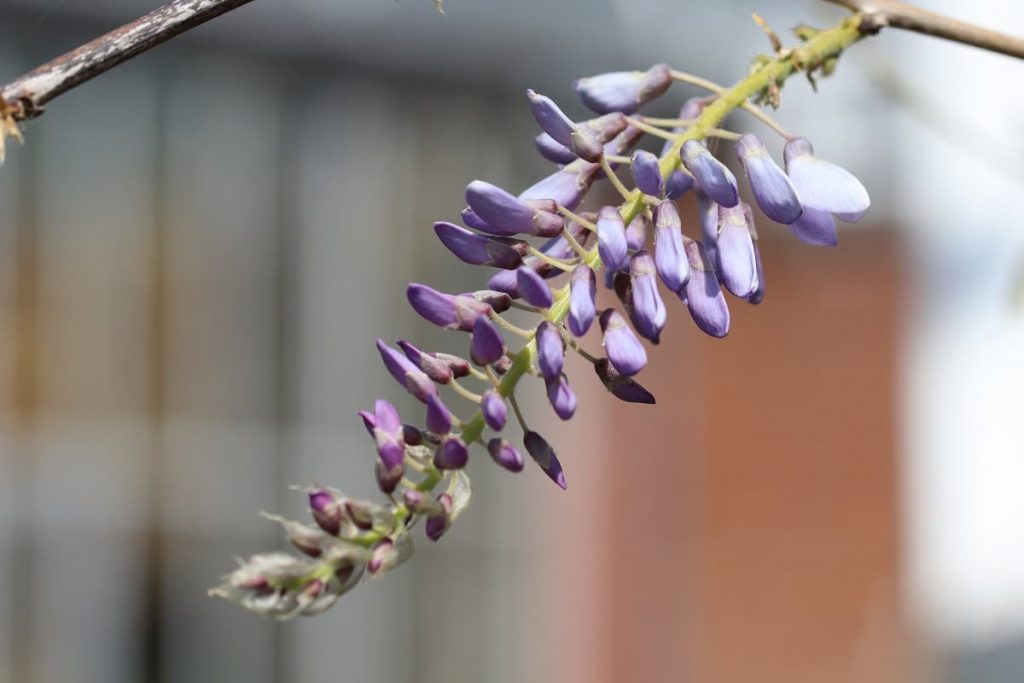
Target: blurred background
column 198, row 250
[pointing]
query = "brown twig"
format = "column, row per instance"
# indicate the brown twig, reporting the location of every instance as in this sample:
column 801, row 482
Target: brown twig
column 26, row 96
column 910, row 18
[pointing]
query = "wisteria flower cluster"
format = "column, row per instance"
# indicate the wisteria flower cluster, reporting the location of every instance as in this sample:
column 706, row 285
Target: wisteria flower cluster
column 550, row 255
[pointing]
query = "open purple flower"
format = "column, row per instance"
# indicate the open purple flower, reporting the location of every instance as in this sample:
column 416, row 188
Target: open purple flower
column 646, row 173
column 501, row 214
column 561, row 397
column 711, row 175
column 703, row 296
column 582, row 295
column 649, row 314
column 669, row 256
column 772, row 189
column 550, row 350
column 542, row 453
column 487, row 345
column 624, row 350
column 823, row 186
column 494, row 410
column 532, row 288
column 505, row 454
column 478, row 250
column 561, row 128
column 623, row 91
column 737, row 267
column 611, row 239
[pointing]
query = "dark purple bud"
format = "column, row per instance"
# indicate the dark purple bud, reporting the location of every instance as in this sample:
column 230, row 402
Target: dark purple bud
column 487, row 345
column 611, row 239
column 711, row 175
column 624, row 350
column 498, row 301
column 815, row 227
column 437, row 370
column 369, row 421
column 772, row 189
column 326, row 510
column 737, row 267
column 458, row 366
column 407, row 374
column 758, row 294
column 494, row 410
column 561, row 397
column 439, row 418
column 669, row 256
column 702, row 294
column 636, row 233
column 445, row 310
column 506, row 215
column 452, row 454
column 532, row 288
column 476, row 249
column 582, row 296
column 550, row 350
column 649, row 314
column 623, row 388
column 646, row 172
column 438, row 524
column 412, row 435
column 623, row 91
column 550, row 118
column 679, row 183
column 566, row 186
column 552, row 150
column 544, row 455
column 823, row 186
column 505, row 454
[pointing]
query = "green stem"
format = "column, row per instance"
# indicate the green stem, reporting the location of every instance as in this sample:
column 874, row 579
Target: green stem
column 827, row 44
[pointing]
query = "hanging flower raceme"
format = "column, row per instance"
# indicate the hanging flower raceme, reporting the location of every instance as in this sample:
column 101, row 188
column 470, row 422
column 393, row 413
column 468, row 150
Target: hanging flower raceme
column 548, row 253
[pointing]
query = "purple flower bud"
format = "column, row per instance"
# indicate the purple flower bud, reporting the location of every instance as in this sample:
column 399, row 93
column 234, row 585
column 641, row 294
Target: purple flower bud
column 611, row 239
column 550, row 350
column 407, row 374
column 558, row 247
column 412, row 435
column 566, row 186
column 505, row 454
column 669, row 256
column 494, row 410
column 437, row 370
column 823, row 186
column 636, row 232
column 544, row 455
column 532, row 288
column 707, row 214
column 502, row 365
column 326, row 510
column 606, row 127
column 646, row 172
column 438, row 524
column 710, row 174
column 390, row 439
column 561, row 397
column 623, row 91
column 623, row 388
column 439, row 418
column 420, row 503
column 487, row 345
column 582, row 295
column 445, row 310
column 772, row 189
column 679, row 183
column 758, row 295
column 498, row 301
column 624, row 350
column 649, row 314
column 556, row 124
column 506, row 215
column 458, row 366
column 815, row 227
column 552, row 150
column 737, row 267
column 451, row 455
column 702, row 294
column 476, row 249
